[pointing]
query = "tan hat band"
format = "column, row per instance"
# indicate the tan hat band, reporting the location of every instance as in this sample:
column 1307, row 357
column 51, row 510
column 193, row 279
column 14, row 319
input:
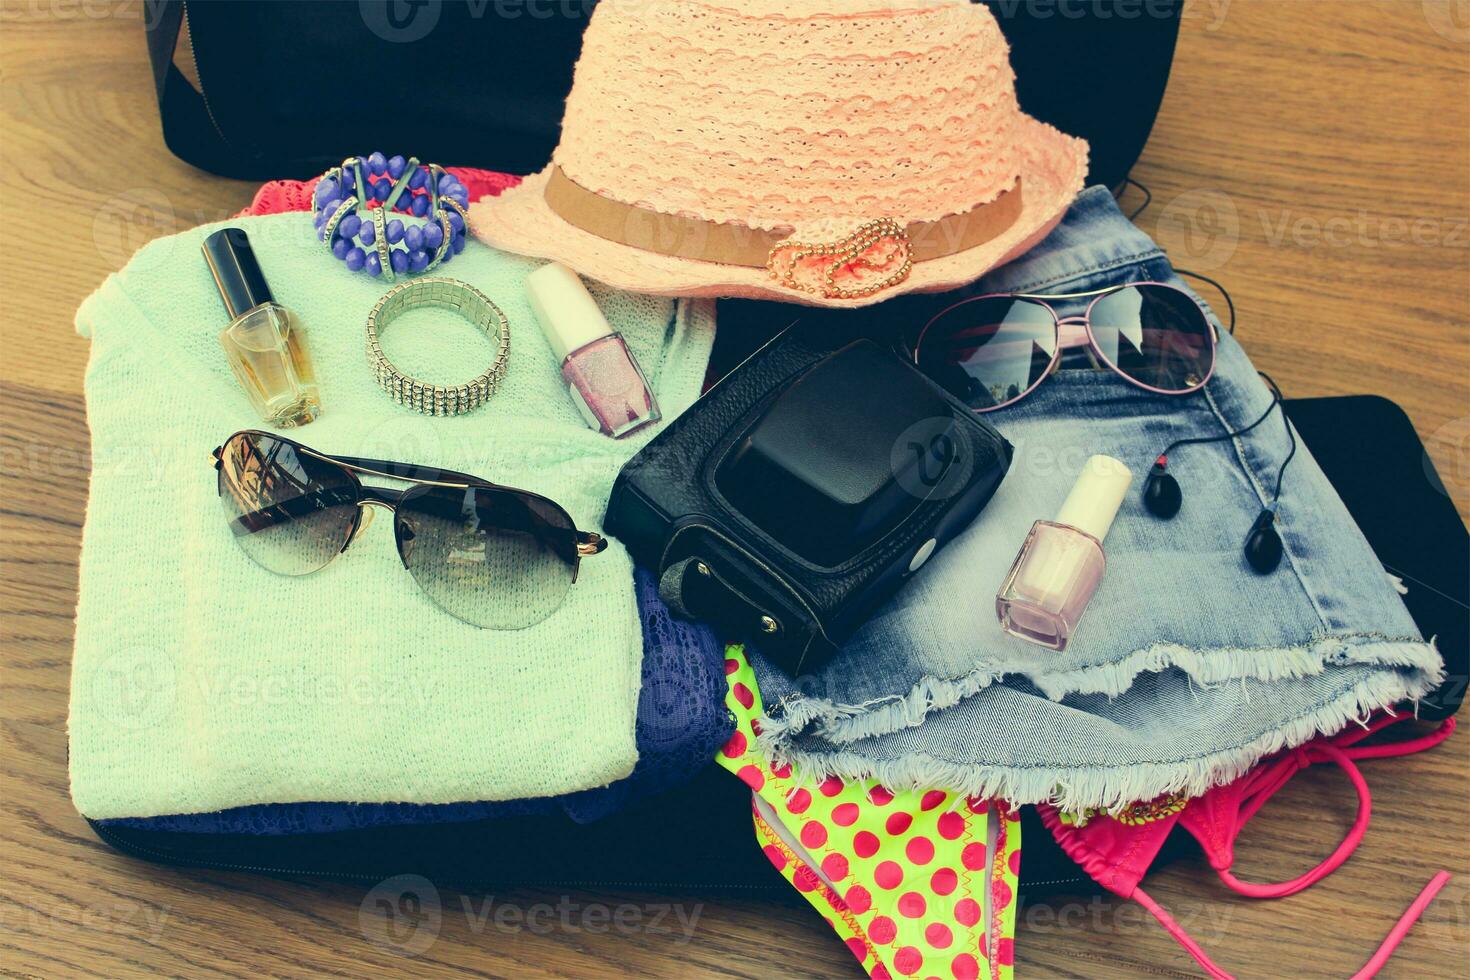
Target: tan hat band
column 736, row 244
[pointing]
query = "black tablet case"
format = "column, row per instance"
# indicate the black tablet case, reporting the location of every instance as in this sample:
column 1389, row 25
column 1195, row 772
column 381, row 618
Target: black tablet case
column 703, row 828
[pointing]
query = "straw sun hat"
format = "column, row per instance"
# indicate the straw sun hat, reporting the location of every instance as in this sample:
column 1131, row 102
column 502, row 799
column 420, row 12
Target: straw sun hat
column 828, row 152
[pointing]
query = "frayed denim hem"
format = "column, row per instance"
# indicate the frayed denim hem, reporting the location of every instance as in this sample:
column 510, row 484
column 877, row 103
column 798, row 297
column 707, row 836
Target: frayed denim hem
column 1412, row 668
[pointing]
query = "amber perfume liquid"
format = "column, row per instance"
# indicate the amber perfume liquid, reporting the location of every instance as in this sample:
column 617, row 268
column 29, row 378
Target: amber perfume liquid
column 268, row 354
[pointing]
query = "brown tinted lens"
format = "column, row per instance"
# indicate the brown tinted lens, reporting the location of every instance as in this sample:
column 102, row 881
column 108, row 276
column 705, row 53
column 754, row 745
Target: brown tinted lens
column 289, row 511
column 496, row 558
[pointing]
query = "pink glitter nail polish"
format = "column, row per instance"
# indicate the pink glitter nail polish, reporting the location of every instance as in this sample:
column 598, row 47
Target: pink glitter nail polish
column 602, row 375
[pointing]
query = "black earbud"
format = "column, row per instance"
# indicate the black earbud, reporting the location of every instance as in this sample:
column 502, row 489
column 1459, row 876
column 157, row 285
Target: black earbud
column 1263, row 544
column 1161, row 493
column 1163, row 497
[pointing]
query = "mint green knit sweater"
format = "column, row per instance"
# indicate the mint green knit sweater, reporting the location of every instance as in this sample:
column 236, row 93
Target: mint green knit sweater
column 201, row 681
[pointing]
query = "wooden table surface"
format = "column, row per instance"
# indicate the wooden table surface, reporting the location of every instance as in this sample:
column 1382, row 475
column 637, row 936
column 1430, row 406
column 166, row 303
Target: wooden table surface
column 1315, row 156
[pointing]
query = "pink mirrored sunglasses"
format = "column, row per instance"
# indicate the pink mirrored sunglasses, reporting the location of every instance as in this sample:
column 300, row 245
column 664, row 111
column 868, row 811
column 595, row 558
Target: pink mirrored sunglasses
column 994, row 350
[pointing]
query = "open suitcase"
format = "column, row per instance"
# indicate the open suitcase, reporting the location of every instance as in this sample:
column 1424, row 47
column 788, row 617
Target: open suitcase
column 1401, row 507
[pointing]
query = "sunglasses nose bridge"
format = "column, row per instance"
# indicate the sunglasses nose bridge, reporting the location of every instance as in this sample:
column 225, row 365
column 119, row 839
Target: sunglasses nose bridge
column 1072, row 331
column 368, row 510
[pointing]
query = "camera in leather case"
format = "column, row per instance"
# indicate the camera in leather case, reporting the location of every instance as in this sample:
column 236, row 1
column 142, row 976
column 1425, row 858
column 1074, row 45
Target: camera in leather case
column 803, row 490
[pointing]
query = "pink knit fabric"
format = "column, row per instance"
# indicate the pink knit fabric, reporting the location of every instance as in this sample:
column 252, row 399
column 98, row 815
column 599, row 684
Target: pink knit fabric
column 791, row 118
column 295, row 195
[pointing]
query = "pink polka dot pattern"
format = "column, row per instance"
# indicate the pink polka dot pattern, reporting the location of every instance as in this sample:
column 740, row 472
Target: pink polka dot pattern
column 950, row 825
column 908, row 961
column 920, row 850
column 735, row 747
column 903, row 878
column 912, row 905
column 834, row 866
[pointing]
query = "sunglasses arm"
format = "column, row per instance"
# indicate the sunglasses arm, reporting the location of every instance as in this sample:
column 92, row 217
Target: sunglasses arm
column 410, row 472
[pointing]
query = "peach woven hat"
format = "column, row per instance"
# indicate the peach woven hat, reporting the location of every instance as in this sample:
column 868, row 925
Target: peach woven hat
column 828, row 152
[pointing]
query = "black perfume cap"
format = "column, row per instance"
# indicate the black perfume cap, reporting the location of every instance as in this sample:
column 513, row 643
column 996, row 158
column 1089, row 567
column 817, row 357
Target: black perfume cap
column 232, row 262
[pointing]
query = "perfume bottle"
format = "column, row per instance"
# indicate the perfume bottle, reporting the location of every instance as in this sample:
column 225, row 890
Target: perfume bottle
column 264, row 342
column 1061, row 562
column 602, row 376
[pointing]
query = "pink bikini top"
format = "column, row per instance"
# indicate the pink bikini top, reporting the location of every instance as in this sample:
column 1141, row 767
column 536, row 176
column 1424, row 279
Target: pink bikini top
column 1117, row 850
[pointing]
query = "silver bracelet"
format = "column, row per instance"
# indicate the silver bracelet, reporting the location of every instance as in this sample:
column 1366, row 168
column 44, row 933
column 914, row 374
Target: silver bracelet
column 449, row 294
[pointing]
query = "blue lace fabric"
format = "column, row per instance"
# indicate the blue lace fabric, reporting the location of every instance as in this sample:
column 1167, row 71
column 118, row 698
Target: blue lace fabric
column 682, row 722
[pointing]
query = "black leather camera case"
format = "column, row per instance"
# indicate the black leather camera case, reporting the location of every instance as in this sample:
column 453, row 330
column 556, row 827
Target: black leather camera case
column 803, row 490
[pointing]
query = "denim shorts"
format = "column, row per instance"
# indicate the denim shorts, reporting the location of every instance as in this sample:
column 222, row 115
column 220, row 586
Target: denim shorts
column 1187, row 667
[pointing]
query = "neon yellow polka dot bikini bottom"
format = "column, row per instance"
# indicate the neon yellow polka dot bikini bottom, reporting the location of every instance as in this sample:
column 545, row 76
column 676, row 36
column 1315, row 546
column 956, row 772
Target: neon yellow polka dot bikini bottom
column 915, row 883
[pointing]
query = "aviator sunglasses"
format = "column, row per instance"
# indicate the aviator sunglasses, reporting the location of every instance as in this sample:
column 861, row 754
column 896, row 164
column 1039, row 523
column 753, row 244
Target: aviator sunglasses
column 993, row 350
column 492, row 556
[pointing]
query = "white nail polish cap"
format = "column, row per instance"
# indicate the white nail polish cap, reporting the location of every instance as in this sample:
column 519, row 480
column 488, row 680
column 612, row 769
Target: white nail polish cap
column 565, row 309
column 1096, row 496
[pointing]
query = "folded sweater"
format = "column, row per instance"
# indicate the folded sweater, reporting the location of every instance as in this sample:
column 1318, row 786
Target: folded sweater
column 201, row 681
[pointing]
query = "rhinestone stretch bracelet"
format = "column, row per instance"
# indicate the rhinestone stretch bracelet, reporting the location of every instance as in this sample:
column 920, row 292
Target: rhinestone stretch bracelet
column 390, row 216
column 448, row 294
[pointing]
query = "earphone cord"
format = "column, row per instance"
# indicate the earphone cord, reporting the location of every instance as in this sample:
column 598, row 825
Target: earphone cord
column 1290, row 435
column 1148, row 198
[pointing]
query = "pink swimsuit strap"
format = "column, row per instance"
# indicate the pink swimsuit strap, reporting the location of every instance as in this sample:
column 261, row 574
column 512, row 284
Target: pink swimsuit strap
column 1265, row 781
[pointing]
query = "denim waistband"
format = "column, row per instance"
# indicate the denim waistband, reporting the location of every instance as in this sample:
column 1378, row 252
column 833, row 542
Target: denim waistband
column 1187, row 667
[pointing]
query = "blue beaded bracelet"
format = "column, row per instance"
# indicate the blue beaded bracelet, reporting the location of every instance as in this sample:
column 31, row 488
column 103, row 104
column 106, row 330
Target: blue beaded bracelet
column 389, row 215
